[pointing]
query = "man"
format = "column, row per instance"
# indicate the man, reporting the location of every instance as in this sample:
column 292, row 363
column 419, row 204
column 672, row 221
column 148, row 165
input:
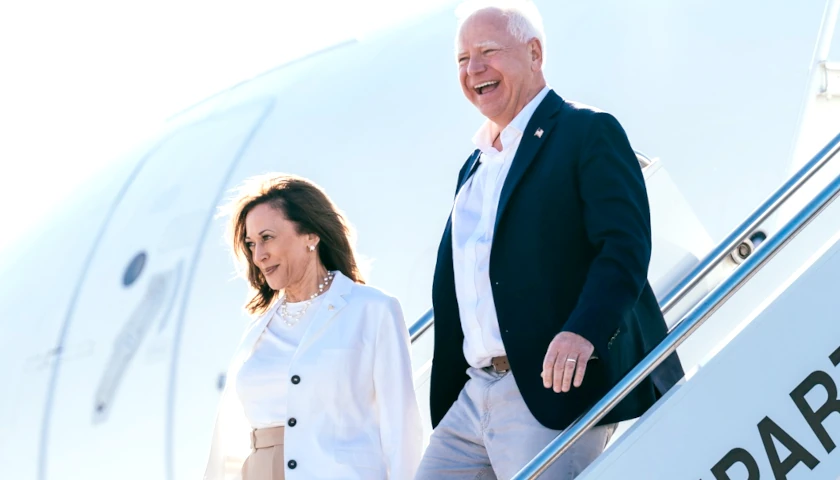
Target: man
column 540, row 293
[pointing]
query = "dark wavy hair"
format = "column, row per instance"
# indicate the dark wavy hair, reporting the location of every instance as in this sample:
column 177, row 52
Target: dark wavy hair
column 307, row 206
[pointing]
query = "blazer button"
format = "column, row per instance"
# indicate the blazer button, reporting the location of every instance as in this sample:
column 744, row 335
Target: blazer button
column 295, row 379
column 292, row 464
column 292, row 422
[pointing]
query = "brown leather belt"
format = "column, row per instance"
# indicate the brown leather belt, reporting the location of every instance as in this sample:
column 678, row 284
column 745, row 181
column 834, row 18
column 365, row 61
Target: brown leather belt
column 500, row 364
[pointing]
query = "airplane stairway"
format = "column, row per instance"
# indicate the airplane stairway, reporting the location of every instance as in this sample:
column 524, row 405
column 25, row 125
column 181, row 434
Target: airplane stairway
column 756, row 326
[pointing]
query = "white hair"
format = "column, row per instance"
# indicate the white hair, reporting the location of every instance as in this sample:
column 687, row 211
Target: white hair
column 524, row 20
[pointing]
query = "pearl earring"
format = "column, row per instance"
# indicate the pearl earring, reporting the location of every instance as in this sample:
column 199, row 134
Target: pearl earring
column 312, row 248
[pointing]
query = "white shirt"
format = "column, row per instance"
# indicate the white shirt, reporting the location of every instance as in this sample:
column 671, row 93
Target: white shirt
column 262, row 382
column 473, row 224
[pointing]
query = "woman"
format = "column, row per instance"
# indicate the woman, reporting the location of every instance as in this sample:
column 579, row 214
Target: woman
column 323, row 376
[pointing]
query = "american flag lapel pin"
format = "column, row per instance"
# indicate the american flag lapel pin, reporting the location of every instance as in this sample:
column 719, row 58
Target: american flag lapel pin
column 538, row 133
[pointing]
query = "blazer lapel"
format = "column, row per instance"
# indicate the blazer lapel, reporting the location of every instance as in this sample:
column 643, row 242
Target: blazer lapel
column 535, row 134
column 249, row 340
column 334, row 301
column 473, row 163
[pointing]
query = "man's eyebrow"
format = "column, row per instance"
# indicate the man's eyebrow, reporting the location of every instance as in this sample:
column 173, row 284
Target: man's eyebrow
column 484, row 44
column 488, row 43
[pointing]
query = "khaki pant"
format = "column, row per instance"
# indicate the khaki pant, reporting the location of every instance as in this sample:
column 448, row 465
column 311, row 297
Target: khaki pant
column 489, row 433
column 266, row 460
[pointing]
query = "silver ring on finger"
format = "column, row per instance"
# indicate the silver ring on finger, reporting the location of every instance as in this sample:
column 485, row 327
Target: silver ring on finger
column 573, row 360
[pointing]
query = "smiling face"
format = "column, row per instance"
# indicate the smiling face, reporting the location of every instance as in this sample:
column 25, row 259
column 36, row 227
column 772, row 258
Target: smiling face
column 499, row 74
column 276, row 247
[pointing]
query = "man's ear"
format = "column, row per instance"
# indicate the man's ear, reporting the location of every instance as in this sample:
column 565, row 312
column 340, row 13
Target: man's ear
column 535, row 51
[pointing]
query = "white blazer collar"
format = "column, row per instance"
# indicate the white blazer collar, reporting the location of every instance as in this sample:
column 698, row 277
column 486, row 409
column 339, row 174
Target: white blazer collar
column 334, row 300
column 252, row 334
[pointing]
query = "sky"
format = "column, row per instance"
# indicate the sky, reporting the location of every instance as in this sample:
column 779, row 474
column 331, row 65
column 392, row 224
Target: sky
column 84, row 81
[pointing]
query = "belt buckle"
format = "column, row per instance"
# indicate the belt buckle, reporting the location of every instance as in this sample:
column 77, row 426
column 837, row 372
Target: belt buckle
column 503, row 361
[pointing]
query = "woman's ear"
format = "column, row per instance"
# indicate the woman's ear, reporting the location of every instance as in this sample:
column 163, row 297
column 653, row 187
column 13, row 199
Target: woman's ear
column 313, row 239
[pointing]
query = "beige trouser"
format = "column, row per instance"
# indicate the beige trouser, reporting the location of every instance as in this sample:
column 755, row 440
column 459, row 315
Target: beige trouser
column 266, row 460
column 490, row 434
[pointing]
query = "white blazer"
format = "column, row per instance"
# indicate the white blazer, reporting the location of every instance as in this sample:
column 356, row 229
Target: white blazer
column 353, row 395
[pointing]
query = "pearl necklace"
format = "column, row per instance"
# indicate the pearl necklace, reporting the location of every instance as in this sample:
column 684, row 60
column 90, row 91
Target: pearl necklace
column 292, row 319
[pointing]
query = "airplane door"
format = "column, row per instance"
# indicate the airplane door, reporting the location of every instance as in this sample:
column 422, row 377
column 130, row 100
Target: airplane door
column 113, row 400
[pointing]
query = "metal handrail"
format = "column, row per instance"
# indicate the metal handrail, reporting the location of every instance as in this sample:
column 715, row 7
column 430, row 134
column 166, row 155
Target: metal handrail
column 420, row 326
column 692, row 320
column 724, row 248
column 748, row 226
column 743, row 231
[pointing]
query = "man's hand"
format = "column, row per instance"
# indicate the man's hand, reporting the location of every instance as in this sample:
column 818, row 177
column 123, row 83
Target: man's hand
column 566, row 359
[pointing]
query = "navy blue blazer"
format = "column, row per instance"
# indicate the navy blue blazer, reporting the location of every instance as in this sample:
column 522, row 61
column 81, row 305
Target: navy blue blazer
column 570, row 252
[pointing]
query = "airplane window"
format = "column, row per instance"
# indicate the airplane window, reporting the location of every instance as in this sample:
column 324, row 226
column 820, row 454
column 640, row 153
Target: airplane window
column 134, row 269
